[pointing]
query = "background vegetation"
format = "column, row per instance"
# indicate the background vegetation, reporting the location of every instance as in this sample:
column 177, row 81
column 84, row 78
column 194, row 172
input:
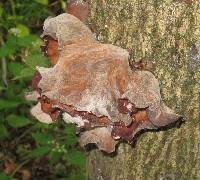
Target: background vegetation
column 28, row 148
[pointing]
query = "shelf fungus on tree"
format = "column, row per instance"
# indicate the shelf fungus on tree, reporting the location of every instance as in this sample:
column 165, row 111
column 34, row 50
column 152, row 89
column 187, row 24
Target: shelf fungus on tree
column 95, row 88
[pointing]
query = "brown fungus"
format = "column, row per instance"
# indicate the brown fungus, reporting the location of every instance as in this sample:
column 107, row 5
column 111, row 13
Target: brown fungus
column 95, row 87
column 78, row 9
column 50, row 49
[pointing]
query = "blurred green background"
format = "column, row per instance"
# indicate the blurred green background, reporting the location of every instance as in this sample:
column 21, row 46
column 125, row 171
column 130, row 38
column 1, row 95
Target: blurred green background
column 28, row 148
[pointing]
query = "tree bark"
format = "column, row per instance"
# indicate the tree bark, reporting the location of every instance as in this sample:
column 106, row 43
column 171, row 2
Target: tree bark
column 168, row 34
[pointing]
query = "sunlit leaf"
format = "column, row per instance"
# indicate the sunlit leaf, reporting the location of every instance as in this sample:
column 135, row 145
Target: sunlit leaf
column 63, row 5
column 23, row 30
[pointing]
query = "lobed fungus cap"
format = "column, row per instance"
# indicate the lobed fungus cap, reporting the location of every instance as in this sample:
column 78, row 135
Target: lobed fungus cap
column 66, row 29
column 95, row 87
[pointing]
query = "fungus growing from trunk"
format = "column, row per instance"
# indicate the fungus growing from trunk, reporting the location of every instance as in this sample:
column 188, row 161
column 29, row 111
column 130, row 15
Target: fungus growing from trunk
column 95, row 87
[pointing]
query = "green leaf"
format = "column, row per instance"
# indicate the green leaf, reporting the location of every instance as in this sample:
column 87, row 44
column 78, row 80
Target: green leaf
column 4, row 177
column 2, row 88
column 1, row 10
column 26, row 74
column 71, row 138
column 3, row 132
column 63, row 5
column 5, row 104
column 42, row 138
column 69, row 130
column 18, row 121
column 26, row 41
column 36, row 60
column 55, row 157
column 76, row 158
column 38, row 152
column 22, row 151
column 5, row 50
column 43, row 2
column 23, row 30
column 9, row 48
column 40, row 125
column 15, row 68
column 79, row 176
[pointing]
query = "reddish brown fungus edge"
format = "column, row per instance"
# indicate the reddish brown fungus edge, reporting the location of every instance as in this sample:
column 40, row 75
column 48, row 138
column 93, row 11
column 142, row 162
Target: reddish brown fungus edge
column 126, row 133
column 50, row 49
column 124, row 106
column 119, row 129
column 78, row 9
column 46, row 40
column 35, row 81
column 48, row 106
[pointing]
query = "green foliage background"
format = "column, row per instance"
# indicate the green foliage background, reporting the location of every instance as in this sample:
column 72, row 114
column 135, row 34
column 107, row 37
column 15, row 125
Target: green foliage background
column 46, row 151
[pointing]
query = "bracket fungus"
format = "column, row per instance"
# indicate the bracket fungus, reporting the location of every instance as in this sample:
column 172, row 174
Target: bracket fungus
column 94, row 87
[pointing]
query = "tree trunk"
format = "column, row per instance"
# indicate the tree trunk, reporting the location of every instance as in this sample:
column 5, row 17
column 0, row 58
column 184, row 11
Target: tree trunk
column 168, row 34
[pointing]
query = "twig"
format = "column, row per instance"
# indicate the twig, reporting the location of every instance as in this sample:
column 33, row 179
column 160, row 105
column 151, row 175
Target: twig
column 19, row 167
column 12, row 3
column 22, row 135
column 4, row 71
column 4, row 64
column 54, row 3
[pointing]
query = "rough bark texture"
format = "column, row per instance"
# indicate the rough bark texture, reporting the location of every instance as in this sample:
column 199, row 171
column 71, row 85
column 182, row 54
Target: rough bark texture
column 168, row 33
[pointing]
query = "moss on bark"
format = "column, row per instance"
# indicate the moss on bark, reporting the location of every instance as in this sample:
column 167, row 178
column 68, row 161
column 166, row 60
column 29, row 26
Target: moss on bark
column 168, row 33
